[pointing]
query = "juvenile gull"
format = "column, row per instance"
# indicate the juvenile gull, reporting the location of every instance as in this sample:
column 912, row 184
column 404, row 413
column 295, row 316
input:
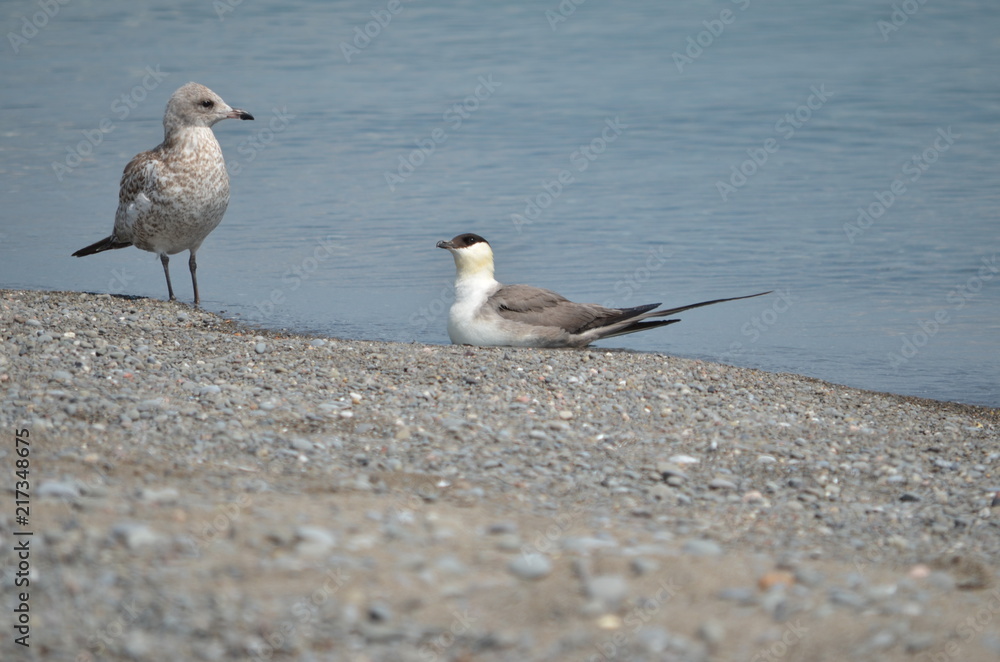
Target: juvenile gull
column 489, row 314
column 175, row 194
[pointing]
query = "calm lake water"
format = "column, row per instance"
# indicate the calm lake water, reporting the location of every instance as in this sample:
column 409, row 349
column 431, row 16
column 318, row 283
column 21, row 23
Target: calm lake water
column 843, row 154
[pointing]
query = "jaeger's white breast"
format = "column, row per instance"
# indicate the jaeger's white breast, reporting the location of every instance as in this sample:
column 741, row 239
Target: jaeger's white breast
column 466, row 324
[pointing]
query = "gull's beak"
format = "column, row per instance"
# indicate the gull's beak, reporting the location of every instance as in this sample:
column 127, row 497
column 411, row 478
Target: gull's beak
column 445, row 244
column 237, row 114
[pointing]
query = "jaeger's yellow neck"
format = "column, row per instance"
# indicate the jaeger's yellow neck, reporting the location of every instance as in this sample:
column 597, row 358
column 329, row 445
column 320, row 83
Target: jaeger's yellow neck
column 474, row 263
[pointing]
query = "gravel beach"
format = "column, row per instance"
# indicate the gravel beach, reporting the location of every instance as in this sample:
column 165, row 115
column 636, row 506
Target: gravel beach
column 201, row 490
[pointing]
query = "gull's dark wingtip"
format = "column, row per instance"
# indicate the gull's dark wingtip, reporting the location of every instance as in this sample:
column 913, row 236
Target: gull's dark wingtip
column 106, row 244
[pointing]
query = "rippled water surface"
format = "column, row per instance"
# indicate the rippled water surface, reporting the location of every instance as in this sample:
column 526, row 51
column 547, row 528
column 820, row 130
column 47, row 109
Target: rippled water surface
column 706, row 149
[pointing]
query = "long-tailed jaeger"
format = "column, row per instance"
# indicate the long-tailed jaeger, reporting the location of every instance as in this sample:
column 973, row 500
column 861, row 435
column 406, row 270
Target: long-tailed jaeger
column 489, row 314
column 174, row 195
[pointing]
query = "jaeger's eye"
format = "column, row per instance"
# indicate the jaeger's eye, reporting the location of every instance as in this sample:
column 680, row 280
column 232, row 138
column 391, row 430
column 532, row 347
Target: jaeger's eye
column 469, row 241
column 207, row 103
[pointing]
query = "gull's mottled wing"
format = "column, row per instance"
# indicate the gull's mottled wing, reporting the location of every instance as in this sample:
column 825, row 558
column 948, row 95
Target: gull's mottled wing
column 139, row 187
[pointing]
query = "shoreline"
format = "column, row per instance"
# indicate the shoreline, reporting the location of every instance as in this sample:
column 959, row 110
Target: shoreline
column 992, row 413
column 203, row 486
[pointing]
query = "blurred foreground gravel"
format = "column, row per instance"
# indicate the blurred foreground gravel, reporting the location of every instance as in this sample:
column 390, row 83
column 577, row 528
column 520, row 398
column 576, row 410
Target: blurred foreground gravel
column 205, row 491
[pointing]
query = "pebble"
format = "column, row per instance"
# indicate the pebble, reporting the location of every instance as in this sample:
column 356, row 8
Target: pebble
column 163, row 496
column 653, row 639
column 667, row 469
column 531, row 566
column 135, row 535
column 609, row 590
column 642, row 566
column 919, row 641
column 314, row 540
column 55, row 489
column 61, row 376
column 301, row 444
column 775, row 578
column 701, row 547
column 721, row 484
column 712, row 632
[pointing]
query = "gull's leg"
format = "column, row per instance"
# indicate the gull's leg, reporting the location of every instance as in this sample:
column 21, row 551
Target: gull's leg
column 165, row 261
column 193, row 266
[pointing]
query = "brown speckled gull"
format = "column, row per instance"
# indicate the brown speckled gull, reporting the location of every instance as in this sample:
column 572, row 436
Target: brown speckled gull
column 175, row 194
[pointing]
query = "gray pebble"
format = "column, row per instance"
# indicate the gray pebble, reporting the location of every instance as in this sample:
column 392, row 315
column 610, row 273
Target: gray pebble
column 166, row 495
column 301, row 444
column 702, row 547
column 918, row 641
column 314, row 541
column 55, row 489
column 721, row 484
column 379, row 612
column 530, row 566
column 498, row 528
column 642, row 566
column 135, row 535
column 610, row 590
column 712, row 632
column 654, row 639
column 667, row 469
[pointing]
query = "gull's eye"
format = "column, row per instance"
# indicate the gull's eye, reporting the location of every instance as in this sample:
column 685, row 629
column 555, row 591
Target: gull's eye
column 207, row 103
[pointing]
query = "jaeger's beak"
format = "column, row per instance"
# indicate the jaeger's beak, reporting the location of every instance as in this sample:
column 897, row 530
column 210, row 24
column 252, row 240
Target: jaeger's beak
column 237, row 114
column 445, row 244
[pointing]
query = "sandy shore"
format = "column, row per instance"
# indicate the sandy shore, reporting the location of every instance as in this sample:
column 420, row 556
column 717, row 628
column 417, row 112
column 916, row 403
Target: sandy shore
column 203, row 491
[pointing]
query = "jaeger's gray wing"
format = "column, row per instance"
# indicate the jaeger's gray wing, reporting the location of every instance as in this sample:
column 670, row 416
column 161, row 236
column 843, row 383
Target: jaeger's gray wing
column 535, row 306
